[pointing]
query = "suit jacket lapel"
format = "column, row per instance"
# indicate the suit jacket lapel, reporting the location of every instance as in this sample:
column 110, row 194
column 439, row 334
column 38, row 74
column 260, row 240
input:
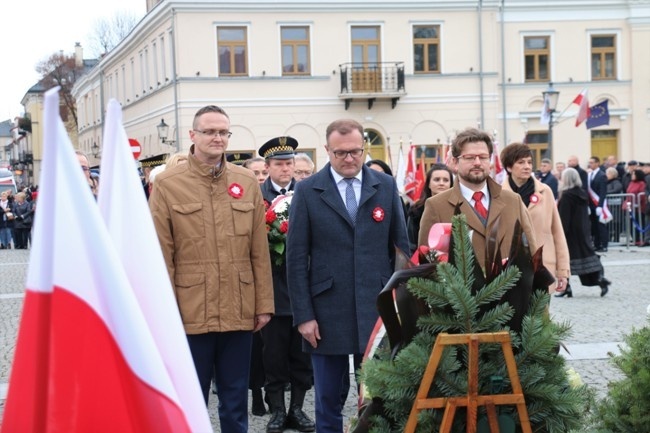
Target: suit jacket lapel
column 329, row 193
column 368, row 186
column 473, row 221
column 496, row 205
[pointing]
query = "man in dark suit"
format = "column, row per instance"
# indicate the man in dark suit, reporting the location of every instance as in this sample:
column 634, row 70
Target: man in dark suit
column 345, row 222
column 597, row 190
column 478, row 197
column 546, row 177
column 573, row 162
column 284, row 360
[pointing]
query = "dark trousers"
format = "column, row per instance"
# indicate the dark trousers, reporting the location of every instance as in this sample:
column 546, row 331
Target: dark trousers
column 257, row 377
column 21, row 238
column 284, row 360
column 228, row 355
column 330, row 373
column 599, row 232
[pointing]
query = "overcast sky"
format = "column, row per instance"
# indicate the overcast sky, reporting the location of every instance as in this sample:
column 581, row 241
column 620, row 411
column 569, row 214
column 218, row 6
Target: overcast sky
column 32, row 30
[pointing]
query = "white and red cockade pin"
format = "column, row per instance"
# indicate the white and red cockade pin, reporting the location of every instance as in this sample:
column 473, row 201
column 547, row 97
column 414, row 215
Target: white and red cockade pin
column 236, row 190
column 534, row 199
column 378, row 214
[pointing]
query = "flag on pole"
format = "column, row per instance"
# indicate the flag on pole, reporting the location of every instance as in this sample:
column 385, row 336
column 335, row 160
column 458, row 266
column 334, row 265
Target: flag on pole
column 582, row 101
column 599, row 115
column 414, row 181
column 125, row 211
column 545, row 115
column 499, row 172
column 400, row 175
column 85, row 358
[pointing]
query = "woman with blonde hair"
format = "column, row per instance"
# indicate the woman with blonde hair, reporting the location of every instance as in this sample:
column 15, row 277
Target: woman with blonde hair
column 538, row 198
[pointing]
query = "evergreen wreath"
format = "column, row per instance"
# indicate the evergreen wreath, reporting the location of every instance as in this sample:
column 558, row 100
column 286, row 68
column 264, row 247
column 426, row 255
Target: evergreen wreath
column 463, row 298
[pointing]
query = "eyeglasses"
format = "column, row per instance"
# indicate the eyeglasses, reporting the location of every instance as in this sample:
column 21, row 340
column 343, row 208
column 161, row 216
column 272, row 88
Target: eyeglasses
column 342, row 154
column 302, row 172
column 472, row 158
column 213, row 134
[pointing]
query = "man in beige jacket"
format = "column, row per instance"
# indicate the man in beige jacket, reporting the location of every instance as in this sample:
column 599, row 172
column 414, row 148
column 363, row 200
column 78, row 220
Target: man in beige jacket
column 209, row 216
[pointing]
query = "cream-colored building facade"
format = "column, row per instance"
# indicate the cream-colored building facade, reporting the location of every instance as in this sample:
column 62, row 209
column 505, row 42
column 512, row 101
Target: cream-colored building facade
column 412, row 72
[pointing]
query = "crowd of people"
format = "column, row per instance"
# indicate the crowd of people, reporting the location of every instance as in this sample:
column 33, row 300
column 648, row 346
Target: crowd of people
column 278, row 327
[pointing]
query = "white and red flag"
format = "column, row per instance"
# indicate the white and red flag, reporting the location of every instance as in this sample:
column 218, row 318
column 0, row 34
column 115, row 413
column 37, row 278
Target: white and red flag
column 415, row 174
column 86, row 357
column 584, row 111
column 499, row 172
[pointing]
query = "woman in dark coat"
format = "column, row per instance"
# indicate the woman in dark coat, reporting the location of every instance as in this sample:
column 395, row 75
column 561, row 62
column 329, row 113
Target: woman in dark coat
column 573, row 207
column 23, row 213
column 439, row 178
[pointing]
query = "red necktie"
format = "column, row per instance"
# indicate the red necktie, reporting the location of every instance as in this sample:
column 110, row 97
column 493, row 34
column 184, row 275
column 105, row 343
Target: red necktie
column 478, row 204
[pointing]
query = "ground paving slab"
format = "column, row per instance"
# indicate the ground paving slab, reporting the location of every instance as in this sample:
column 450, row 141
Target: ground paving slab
column 598, row 324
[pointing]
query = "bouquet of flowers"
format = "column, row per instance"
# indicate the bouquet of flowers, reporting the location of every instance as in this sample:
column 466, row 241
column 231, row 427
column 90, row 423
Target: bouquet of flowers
column 277, row 226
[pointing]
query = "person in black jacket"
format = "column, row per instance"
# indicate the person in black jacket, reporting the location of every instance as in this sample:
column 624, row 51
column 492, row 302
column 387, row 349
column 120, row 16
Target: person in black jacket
column 573, row 207
column 284, row 360
column 24, row 215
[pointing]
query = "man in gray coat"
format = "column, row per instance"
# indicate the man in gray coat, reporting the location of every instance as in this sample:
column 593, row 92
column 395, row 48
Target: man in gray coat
column 344, row 224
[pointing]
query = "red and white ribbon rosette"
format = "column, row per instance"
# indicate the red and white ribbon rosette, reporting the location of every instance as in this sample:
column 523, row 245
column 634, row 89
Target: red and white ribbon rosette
column 439, row 239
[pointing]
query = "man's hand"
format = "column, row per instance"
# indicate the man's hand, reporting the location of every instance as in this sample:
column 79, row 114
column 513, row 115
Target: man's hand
column 561, row 284
column 309, row 331
column 261, row 320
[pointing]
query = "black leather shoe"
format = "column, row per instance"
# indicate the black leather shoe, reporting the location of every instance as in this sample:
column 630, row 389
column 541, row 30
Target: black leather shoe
column 604, row 286
column 298, row 420
column 568, row 293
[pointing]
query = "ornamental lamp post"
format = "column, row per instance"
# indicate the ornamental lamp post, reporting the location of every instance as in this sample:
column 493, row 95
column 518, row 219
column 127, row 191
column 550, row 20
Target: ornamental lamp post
column 551, row 97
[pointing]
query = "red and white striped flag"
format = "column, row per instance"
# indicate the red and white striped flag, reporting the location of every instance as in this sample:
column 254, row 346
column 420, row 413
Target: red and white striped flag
column 583, row 111
column 86, row 358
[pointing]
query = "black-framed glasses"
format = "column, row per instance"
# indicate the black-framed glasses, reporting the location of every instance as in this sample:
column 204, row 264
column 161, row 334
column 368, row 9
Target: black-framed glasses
column 213, row 134
column 342, row 154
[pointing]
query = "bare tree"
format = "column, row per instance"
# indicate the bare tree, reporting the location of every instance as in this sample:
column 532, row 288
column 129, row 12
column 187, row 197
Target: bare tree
column 108, row 32
column 62, row 70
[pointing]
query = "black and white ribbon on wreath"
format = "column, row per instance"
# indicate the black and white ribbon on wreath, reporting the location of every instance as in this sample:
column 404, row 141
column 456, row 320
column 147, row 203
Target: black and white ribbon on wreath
column 636, row 223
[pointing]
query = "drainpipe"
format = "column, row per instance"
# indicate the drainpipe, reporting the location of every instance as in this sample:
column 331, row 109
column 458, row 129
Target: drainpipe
column 503, row 75
column 480, row 60
column 175, row 79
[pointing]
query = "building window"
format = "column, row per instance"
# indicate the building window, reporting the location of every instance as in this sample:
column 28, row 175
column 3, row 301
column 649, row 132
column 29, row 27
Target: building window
column 232, row 51
column 537, row 54
column 603, row 57
column 426, row 49
column 295, row 50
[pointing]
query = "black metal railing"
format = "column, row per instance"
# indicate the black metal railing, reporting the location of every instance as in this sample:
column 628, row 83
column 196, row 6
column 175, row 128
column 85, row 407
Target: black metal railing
column 372, row 78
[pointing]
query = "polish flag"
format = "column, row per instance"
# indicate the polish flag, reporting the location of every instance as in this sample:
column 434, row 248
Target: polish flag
column 86, row 359
column 583, row 111
column 499, row 173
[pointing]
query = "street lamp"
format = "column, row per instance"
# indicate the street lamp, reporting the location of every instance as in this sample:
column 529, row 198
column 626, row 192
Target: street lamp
column 95, row 150
column 551, row 97
column 163, row 130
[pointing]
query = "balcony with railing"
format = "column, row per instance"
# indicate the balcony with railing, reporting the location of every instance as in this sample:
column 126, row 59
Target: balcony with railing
column 371, row 81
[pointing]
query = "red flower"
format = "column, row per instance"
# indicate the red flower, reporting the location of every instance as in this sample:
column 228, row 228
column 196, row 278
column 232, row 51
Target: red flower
column 284, row 226
column 236, row 190
column 378, row 214
column 270, row 216
column 266, row 204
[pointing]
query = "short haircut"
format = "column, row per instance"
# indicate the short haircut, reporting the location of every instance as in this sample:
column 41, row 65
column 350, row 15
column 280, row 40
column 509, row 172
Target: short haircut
column 302, row 156
column 547, row 161
column 248, row 162
column 595, row 158
column 343, row 127
column 385, row 168
column 208, row 109
column 513, row 153
column 612, row 171
column 470, row 135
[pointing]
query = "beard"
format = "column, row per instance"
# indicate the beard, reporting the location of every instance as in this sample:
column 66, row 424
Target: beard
column 472, row 177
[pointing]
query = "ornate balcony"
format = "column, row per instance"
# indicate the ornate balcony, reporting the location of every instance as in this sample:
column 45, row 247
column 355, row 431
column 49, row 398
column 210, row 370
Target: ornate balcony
column 372, row 81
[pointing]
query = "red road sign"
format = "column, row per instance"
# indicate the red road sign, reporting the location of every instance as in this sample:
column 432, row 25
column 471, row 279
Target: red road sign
column 135, row 148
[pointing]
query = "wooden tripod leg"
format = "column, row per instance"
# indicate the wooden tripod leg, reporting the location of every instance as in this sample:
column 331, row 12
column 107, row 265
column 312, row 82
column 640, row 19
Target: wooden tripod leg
column 516, row 385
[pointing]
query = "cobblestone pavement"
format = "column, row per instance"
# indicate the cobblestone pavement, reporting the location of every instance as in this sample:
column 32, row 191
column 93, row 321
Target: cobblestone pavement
column 598, row 324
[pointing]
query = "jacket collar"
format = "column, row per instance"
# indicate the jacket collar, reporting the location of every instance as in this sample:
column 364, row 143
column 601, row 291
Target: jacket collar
column 206, row 169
